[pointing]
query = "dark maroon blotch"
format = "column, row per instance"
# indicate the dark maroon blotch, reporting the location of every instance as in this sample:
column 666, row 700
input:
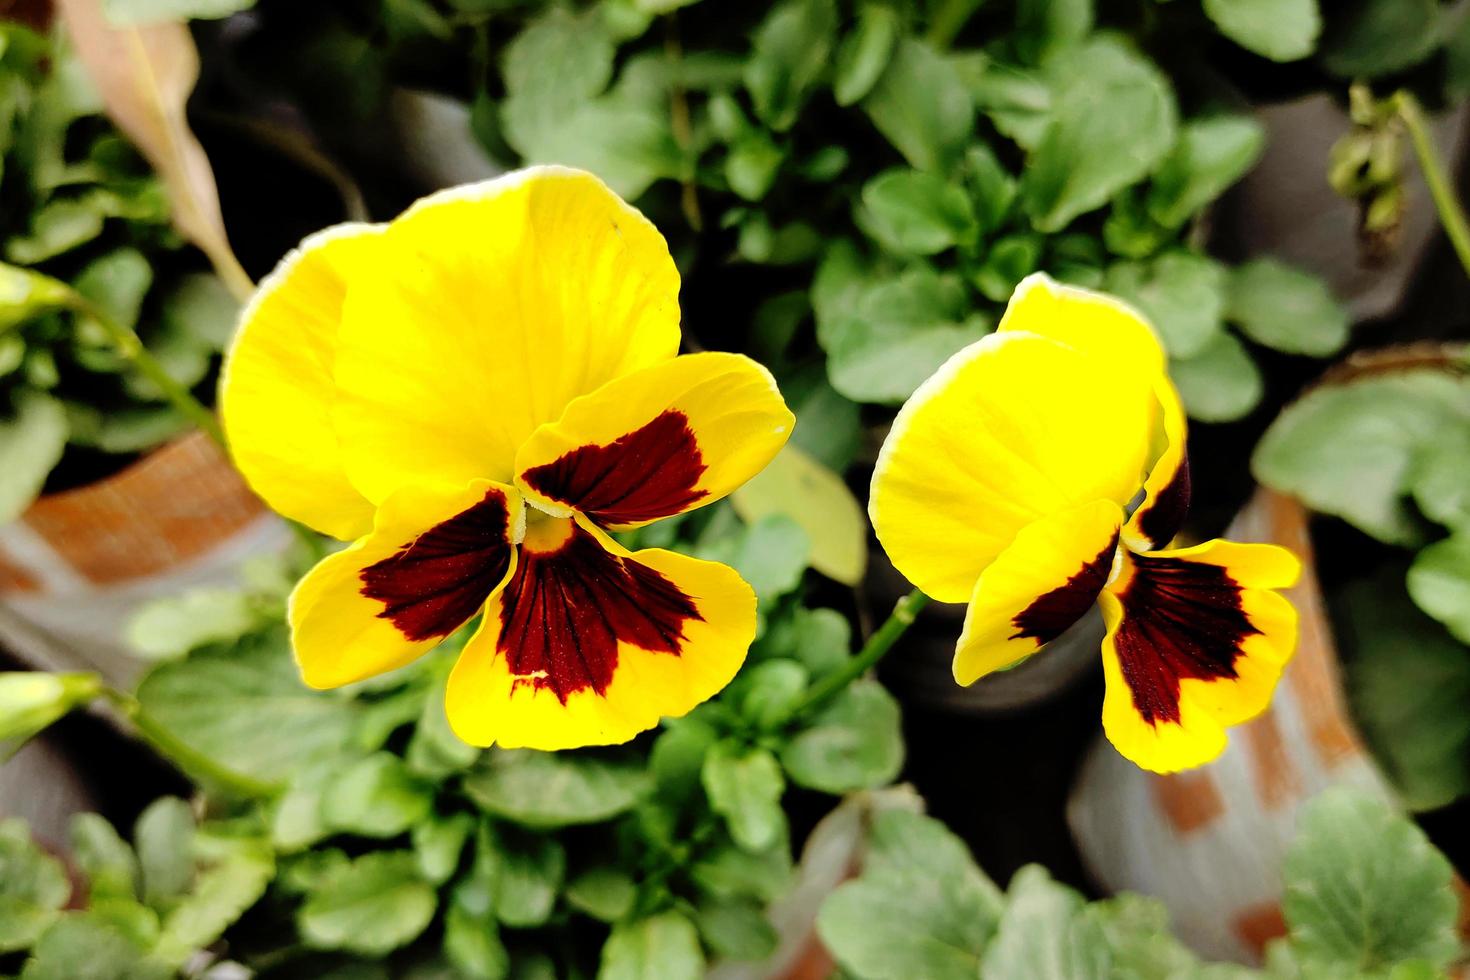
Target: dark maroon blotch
column 433, row 584
column 564, row 612
column 649, row 473
column 1164, row 515
column 1181, row 619
column 1049, row 616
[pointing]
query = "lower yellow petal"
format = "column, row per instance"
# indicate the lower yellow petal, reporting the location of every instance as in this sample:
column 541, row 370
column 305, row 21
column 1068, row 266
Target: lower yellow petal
column 589, row 644
column 1011, row 429
column 1197, row 640
column 1040, row 585
column 434, row 556
column 657, row 442
column 276, row 387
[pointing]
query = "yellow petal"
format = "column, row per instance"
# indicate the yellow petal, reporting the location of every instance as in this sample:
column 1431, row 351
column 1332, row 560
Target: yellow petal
column 1049, row 576
column 434, row 556
column 1119, row 337
column 589, row 644
column 1011, row 429
column 1197, row 639
column 490, row 308
column 276, row 388
column 657, row 442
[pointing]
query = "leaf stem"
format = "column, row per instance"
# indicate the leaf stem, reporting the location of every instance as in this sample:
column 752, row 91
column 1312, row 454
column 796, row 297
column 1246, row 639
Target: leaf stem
column 1441, row 189
column 181, row 753
column 127, row 343
column 878, row 645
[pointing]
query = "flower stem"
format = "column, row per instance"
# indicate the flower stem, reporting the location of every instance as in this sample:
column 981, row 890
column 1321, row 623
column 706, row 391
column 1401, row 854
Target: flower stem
column 181, row 753
column 873, row 651
column 1441, row 189
column 127, row 343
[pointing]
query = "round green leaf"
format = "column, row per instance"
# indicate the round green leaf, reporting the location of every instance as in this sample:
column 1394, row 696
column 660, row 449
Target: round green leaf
column 1219, row 384
column 917, row 213
column 1439, row 582
column 1286, row 309
column 556, row 789
column 854, row 743
column 660, row 947
column 376, row 904
column 1282, row 30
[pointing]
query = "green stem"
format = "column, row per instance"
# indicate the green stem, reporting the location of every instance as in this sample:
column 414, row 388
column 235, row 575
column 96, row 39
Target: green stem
column 181, row 753
column 873, row 651
column 1441, row 189
column 128, row 344
column 950, row 16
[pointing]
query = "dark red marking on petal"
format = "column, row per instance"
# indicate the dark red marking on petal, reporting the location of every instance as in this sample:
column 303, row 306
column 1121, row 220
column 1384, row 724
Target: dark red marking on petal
column 564, row 612
column 642, row 476
column 1049, row 616
column 1181, row 619
column 1163, row 515
column 442, row 578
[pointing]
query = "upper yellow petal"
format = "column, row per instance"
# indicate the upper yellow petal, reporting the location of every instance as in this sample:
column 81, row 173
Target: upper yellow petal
column 1011, row 429
column 657, row 442
column 276, row 388
column 489, row 309
column 589, row 644
column 435, row 554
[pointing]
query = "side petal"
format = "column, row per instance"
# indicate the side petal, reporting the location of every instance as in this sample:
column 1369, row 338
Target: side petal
column 493, row 306
column 276, row 388
column 1011, row 429
column 589, row 644
column 1197, row 639
column 1120, row 337
column 1041, row 584
column 657, row 442
column 434, row 556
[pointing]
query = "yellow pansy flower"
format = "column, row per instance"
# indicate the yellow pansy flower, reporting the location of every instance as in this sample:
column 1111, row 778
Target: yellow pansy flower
column 1007, row 483
column 475, row 394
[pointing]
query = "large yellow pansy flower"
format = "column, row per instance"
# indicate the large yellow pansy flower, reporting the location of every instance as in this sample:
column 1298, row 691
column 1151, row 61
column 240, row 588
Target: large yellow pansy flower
column 1007, row 483
column 475, row 394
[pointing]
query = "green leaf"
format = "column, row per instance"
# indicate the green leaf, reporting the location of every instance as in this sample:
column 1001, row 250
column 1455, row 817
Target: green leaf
column 170, row 627
column 33, row 887
column 86, row 947
column 59, row 226
column 920, row 909
column 25, row 294
column 1282, row 30
column 246, row 708
column 31, row 700
column 439, row 842
column 377, row 797
column 434, row 751
column 1219, row 384
column 200, row 306
column 1365, row 889
column 108, row 862
column 1439, row 477
column 1046, row 26
column 992, row 187
column 552, row 67
column 1369, row 38
column 791, row 51
column 894, row 333
column 768, row 693
column 744, row 785
column 922, row 106
column 1439, row 582
column 122, row 12
column 1114, row 120
column 817, row 499
column 31, row 443
column 531, row 869
column 771, row 555
column 1211, row 154
column 865, row 52
column 1135, row 930
column 376, row 904
column 854, row 743
column 1349, row 449
column 752, row 165
column 1010, row 259
column 117, row 283
column 1409, row 683
column 736, row 930
column 1181, row 293
column 916, row 213
column 604, row 892
column 164, row 836
column 1042, row 935
column 1286, row 309
column 677, row 756
column 819, row 639
column 660, row 947
column 556, row 789
column 471, row 934
column 731, row 872
column 221, row 895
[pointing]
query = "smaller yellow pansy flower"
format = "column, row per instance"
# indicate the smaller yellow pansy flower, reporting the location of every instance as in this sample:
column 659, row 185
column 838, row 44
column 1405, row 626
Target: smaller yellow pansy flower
column 475, row 394
column 1043, row 469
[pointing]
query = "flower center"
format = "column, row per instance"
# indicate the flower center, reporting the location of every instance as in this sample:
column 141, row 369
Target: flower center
column 545, row 532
